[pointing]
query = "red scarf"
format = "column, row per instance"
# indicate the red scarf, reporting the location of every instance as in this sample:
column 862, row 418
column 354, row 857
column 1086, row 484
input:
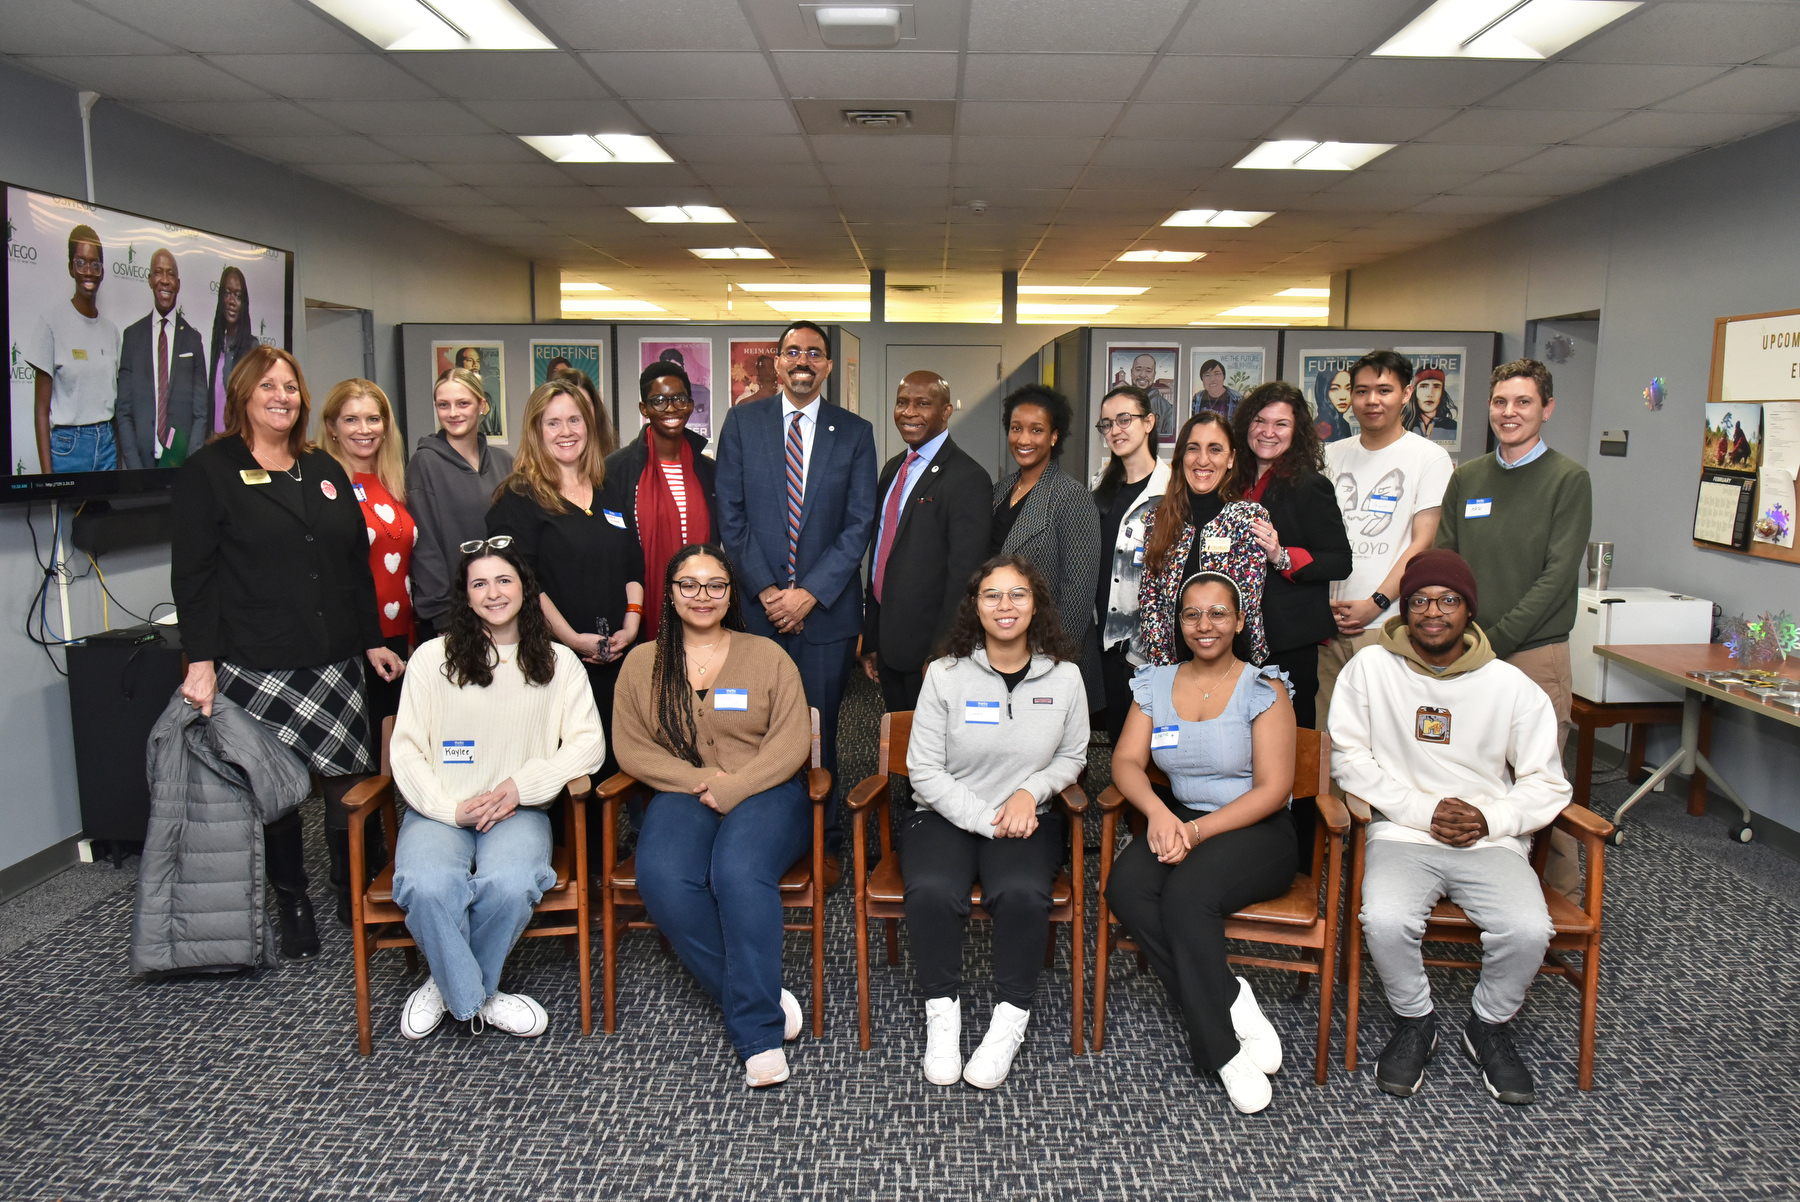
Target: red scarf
column 659, row 523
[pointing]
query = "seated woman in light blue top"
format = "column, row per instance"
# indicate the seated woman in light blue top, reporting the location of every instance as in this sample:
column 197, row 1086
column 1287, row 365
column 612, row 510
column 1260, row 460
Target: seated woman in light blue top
column 1220, row 838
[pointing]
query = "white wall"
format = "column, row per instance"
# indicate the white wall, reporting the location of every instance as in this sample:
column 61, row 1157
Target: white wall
column 348, row 250
column 1660, row 255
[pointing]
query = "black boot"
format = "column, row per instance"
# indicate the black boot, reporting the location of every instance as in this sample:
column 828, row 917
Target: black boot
column 299, row 934
column 286, row 860
column 337, row 845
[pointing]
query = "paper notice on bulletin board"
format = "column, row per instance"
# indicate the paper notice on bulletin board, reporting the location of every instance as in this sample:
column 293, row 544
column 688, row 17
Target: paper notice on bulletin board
column 1775, row 499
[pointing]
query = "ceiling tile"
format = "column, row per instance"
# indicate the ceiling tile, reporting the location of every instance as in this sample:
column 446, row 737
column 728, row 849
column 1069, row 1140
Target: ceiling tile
column 558, row 116
column 715, row 148
column 766, row 197
column 566, row 194
column 63, row 27
column 768, row 175
column 1340, row 202
column 1426, row 156
column 505, row 75
column 1518, row 127
column 1421, row 81
column 1333, row 123
column 1506, row 183
column 1239, row 79
column 1200, row 121
column 1600, row 86
column 1592, row 160
column 1014, row 175
column 1291, row 26
column 1141, row 153
column 449, row 196
column 518, row 175
column 646, row 24
column 1746, row 90
column 882, row 148
column 1695, row 33
column 877, row 175
column 1074, row 25
column 345, row 148
column 670, row 75
column 717, row 117
column 633, row 175
column 1027, row 118
column 1053, row 76
column 1678, row 129
column 1483, row 205
column 265, row 118
column 1375, row 187
column 388, row 175
column 868, row 75
column 437, row 117
column 324, row 76
column 251, row 26
column 140, row 78
column 467, row 148
column 1059, row 152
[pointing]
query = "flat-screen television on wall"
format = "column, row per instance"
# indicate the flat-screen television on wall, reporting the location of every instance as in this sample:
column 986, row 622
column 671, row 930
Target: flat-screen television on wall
column 121, row 332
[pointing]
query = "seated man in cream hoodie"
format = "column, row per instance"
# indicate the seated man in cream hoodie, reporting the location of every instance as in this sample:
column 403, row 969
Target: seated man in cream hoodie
column 1455, row 751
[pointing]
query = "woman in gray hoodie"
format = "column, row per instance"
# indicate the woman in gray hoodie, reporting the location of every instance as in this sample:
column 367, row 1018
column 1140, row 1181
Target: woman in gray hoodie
column 1000, row 728
column 450, row 485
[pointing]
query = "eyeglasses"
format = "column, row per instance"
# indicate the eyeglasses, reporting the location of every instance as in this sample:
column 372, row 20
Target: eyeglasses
column 1218, row 614
column 1449, row 603
column 689, row 588
column 1123, row 421
column 810, row 353
column 990, row 598
column 475, row 546
column 669, row 401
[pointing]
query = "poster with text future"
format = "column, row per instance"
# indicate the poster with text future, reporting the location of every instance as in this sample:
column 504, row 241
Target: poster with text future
column 694, row 355
column 1435, row 410
column 1325, row 379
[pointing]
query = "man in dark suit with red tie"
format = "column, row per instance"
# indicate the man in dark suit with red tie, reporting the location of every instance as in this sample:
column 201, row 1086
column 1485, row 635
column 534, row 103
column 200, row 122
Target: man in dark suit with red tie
column 931, row 537
column 163, row 413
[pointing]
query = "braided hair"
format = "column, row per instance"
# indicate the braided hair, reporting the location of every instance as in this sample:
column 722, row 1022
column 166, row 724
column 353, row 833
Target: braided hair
column 676, row 729
column 469, row 653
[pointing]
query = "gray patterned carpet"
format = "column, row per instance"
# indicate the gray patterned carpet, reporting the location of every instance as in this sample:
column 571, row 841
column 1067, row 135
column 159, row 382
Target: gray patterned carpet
column 250, row 1087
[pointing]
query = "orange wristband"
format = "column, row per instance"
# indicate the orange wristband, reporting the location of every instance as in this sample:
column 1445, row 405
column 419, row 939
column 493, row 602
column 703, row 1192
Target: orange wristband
column 632, row 607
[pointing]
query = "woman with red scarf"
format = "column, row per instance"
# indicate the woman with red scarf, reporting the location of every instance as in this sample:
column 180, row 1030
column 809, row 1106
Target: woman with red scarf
column 662, row 483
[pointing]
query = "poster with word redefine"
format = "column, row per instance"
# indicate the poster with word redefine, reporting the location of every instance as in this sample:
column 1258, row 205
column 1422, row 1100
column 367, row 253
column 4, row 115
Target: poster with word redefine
column 1435, row 410
column 588, row 358
column 1325, row 379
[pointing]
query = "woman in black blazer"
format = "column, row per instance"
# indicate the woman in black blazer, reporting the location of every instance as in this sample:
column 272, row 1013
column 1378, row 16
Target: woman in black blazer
column 270, row 574
column 1304, row 537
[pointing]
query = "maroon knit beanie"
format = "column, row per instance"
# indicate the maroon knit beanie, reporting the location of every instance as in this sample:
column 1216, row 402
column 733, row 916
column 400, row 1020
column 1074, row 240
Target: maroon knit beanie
column 1442, row 567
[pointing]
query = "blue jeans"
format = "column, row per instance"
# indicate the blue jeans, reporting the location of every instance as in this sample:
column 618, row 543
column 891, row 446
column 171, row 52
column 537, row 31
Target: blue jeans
column 468, row 895
column 712, row 885
column 83, row 448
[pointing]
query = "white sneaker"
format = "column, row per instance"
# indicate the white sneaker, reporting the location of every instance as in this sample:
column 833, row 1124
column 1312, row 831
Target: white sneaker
column 790, row 1009
column 423, row 1011
column 943, row 1040
column 988, row 1067
column 1245, row 1084
column 1255, row 1033
column 515, row 1014
column 766, row 1068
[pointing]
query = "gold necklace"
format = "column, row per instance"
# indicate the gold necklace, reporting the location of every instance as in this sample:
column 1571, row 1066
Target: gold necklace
column 709, row 659
column 1217, row 680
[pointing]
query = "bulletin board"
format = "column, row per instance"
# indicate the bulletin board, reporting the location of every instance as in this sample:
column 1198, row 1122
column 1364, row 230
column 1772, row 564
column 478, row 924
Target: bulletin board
column 1751, row 437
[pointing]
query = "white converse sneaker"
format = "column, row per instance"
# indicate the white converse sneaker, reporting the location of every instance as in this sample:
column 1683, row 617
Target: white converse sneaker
column 1255, row 1033
column 766, row 1068
column 515, row 1014
column 988, row 1067
column 1245, row 1084
column 790, row 1009
column 423, row 1011
column 943, row 1040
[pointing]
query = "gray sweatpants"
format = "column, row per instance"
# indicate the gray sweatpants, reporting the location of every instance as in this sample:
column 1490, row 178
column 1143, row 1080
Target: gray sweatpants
column 1494, row 886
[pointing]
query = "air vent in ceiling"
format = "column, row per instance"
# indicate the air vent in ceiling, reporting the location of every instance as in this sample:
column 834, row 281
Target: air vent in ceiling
column 912, row 287
column 854, row 116
column 878, row 119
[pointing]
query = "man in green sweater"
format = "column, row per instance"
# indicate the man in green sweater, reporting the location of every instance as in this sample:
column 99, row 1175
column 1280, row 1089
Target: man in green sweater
column 1521, row 519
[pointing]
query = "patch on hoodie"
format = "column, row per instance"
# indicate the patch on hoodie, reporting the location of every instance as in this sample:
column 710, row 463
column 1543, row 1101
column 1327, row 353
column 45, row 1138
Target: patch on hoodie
column 1432, row 725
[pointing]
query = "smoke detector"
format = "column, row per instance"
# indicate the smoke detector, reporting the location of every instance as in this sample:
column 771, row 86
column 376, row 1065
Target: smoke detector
column 978, row 207
column 859, row 26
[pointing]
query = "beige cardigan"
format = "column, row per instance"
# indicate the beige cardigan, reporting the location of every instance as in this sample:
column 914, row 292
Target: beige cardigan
column 758, row 747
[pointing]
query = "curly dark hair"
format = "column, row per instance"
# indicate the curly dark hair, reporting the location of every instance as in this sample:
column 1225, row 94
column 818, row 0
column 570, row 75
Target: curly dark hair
column 1304, row 454
column 1044, row 636
column 469, row 654
column 676, row 729
column 1055, row 406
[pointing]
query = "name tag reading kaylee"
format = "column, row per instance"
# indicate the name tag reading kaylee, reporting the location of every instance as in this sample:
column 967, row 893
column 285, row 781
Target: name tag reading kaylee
column 459, row 751
column 731, row 699
column 1165, row 738
column 1217, row 544
column 986, row 713
column 1478, row 507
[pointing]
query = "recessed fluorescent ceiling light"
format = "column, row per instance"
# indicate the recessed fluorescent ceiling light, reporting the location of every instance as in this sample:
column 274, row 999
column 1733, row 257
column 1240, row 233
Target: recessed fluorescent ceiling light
column 858, row 27
column 608, row 305
column 804, row 288
column 576, row 286
column 438, row 25
column 1219, row 218
column 1065, row 310
column 1161, row 256
column 680, row 214
column 1304, row 292
column 818, row 306
column 1052, row 290
column 597, row 148
column 1522, row 29
column 1277, row 311
column 730, row 252
column 1312, row 156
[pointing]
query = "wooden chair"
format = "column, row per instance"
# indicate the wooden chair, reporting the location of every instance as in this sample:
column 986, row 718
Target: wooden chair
column 802, row 886
column 1576, row 928
column 881, row 893
column 1295, row 919
column 376, row 922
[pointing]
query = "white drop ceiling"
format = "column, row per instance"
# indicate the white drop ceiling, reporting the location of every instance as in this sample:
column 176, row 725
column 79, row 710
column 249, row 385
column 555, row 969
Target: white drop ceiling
column 1081, row 124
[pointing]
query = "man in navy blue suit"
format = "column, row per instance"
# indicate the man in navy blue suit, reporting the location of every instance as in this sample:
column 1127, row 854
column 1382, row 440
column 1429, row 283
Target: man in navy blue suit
column 796, row 483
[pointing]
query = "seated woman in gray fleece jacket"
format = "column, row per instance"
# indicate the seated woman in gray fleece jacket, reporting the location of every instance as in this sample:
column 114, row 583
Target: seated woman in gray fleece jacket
column 1001, row 728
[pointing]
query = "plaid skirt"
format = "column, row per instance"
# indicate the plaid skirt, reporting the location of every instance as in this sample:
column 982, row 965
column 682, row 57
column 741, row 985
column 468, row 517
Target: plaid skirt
column 319, row 712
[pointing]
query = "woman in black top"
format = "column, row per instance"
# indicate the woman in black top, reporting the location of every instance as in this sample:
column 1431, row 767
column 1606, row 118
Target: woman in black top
column 588, row 564
column 270, row 574
column 1131, row 486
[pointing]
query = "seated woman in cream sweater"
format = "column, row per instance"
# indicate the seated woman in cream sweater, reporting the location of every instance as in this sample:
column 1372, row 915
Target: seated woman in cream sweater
column 714, row 719
column 494, row 720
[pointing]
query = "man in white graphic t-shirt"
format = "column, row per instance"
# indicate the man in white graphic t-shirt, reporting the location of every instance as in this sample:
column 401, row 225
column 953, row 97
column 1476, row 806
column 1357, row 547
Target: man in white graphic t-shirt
column 1390, row 486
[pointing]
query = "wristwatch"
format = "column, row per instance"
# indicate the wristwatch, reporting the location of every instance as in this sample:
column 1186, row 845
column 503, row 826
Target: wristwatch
column 1381, row 600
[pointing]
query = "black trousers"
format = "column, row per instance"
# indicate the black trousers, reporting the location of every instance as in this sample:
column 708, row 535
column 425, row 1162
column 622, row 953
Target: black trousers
column 941, row 863
column 1177, row 915
column 1115, row 674
column 899, row 690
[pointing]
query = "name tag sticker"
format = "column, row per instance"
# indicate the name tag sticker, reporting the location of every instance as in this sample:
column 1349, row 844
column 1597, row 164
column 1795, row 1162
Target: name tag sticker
column 731, row 699
column 987, row 713
column 1165, row 738
column 1382, row 502
column 79, row 355
column 1137, row 557
column 615, row 517
column 253, row 475
column 1217, row 544
column 1478, row 507
column 360, row 494
column 459, row 751
column 1043, row 701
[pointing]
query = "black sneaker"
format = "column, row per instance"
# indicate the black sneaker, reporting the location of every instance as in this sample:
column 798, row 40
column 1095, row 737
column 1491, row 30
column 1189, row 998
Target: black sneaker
column 1490, row 1045
column 1402, row 1065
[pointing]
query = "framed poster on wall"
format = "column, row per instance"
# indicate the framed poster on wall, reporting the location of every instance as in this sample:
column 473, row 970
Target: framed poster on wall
column 1448, row 365
column 1434, row 412
column 1221, row 375
column 1325, row 379
column 586, row 357
column 488, row 361
column 694, row 355
column 752, row 369
column 1156, row 368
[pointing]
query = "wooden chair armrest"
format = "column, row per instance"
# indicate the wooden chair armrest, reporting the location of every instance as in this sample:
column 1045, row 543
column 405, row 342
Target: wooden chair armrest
column 1110, row 800
column 363, row 800
column 579, row 788
column 818, row 784
column 1583, row 823
column 867, row 793
column 616, row 786
column 1360, row 813
column 1333, row 813
column 1074, row 799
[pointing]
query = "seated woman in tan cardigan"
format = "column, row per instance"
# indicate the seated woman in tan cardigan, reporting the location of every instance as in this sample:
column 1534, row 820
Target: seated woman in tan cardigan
column 714, row 719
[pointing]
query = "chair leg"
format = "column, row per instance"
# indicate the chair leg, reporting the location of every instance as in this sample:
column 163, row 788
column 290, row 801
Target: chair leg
column 818, row 963
column 1102, row 954
column 862, row 969
column 365, row 1033
column 584, row 944
column 1590, row 1007
column 609, row 953
column 412, row 959
column 1353, row 945
column 1078, row 977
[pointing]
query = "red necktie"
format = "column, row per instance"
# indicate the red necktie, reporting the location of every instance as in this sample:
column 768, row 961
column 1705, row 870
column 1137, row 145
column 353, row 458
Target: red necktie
column 162, row 384
column 890, row 520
